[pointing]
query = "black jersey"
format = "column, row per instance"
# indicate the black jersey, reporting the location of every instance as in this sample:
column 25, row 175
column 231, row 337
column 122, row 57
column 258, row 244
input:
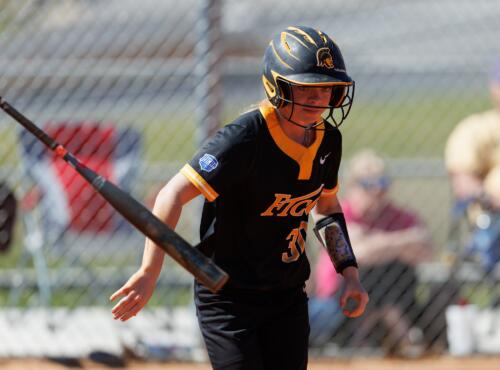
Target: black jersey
column 260, row 187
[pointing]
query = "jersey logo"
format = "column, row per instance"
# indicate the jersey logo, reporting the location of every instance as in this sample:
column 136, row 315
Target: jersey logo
column 323, row 159
column 208, row 162
column 324, row 58
column 285, row 205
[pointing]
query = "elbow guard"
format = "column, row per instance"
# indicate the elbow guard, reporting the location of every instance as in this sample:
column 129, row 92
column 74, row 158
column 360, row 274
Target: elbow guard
column 332, row 233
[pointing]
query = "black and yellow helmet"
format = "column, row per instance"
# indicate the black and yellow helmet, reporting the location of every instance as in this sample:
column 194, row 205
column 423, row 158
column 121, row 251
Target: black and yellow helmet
column 305, row 56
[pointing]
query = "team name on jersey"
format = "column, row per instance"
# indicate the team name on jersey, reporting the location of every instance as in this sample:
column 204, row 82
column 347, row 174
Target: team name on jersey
column 285, row 205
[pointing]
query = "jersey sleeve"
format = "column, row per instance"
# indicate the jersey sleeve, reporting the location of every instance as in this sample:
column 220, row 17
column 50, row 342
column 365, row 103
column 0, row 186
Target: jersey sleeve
column 331, row 183
column 222, row 161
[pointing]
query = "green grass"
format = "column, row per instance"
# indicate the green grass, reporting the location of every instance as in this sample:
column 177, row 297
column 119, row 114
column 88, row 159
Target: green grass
column 413, row 126
column 400, row 127
column 408, row 126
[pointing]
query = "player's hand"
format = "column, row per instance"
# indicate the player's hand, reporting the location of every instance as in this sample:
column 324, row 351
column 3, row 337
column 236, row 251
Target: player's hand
column 354, row 297
column 136, row 292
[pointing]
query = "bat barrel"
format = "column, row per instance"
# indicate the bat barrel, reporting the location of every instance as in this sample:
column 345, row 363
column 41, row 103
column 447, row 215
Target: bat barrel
column 203, row 268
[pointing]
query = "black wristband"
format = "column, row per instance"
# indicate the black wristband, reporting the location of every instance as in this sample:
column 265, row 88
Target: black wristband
column 349, row 258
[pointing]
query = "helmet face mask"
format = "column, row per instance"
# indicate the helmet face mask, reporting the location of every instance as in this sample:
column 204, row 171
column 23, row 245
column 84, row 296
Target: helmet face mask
column 302, row 56
column 335, row 112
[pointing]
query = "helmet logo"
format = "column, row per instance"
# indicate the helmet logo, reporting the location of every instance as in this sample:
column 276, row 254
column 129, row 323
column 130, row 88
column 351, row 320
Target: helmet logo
column 324, row 58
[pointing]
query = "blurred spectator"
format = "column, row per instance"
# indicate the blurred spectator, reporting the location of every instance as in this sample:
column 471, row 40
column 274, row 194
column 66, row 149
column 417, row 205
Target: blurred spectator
column 389, row 242
column 8, row 209
column 484, row 243
column 472, row 157
column 473, row 150
column 325, row 313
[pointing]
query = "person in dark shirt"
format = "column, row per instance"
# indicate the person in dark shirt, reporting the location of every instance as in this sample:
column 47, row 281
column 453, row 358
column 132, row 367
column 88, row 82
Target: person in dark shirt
column 262, row 175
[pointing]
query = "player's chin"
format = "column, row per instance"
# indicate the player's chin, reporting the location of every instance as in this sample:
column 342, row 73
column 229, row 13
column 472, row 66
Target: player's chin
column 311, row 114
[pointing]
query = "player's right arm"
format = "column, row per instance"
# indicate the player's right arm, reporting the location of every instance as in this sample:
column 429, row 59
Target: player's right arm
column 137, row 291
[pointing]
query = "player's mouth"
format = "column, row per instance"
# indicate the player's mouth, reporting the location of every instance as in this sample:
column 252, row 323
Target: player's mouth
column 312, row 110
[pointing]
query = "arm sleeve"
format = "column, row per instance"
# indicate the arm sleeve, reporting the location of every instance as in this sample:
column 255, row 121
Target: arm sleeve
column 336, row 241
column 222, row 161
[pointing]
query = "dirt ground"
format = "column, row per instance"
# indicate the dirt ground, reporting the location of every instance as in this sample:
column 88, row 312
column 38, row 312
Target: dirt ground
column 438, row 363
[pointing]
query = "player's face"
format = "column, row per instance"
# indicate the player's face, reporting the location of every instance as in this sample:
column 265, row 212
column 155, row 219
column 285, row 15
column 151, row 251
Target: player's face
column 310, row 102
column 370, row 192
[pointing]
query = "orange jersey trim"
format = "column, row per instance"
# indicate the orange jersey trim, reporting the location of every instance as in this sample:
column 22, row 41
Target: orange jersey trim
column 330, row 192
column 304, row 156
column 200, row 183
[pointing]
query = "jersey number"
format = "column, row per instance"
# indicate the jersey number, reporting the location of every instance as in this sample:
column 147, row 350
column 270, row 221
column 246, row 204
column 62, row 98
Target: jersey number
column 297, row 243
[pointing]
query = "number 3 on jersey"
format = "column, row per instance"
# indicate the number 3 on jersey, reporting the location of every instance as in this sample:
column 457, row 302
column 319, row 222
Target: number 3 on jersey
column 297, row 243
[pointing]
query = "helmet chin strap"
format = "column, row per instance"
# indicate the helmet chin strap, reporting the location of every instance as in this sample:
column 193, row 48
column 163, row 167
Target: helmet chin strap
column 310, row 126
column 308, row 129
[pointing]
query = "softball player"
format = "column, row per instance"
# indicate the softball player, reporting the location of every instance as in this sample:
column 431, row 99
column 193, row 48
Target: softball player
column 262, row 175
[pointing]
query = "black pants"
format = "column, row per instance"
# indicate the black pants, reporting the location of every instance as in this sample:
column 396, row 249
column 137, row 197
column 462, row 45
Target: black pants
column 254, row 330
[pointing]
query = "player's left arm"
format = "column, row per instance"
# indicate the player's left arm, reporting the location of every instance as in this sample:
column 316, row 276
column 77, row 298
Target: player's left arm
column 331, row 229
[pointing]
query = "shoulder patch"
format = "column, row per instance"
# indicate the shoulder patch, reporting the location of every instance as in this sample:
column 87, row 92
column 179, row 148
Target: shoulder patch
column 208, row 162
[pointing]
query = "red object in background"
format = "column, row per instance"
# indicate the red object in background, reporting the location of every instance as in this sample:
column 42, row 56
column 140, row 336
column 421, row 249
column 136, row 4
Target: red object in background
column 94, row 145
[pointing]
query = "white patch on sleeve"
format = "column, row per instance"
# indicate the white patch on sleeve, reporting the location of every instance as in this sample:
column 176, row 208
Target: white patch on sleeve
column 208, row 162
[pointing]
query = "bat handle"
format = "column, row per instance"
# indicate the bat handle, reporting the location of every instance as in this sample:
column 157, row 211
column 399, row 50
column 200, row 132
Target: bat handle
column 28, row 125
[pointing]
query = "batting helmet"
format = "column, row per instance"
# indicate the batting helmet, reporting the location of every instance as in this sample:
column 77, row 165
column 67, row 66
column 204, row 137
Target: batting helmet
column 304, row 56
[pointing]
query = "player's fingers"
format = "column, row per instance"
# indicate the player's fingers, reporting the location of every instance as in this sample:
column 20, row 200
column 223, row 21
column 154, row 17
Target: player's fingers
column 358, row 306
column 350, row 306
column 347, row 296
column 343, row 299
column 124, row 290
column 131, row 311
column 124, row 304
column 131, row 307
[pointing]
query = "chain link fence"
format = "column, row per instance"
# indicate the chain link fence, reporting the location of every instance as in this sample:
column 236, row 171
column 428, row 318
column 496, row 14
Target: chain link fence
column 150, row 80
